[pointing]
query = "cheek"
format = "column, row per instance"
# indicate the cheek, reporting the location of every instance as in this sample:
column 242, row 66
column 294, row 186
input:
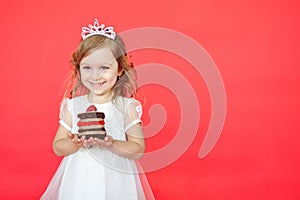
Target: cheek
column 111, row 76
column 86, row 75
column 80, row 74
column 83, row 76
column 112, row 79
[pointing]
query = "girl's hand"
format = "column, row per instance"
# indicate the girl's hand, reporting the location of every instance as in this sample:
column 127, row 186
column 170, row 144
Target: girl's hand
column 85, row 143
column 74, row 138
column 106, row 143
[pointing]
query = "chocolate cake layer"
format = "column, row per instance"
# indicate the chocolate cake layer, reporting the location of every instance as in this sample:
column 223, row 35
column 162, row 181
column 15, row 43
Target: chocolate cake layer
column 91, row 129
column 100, row 136
column 91, row 115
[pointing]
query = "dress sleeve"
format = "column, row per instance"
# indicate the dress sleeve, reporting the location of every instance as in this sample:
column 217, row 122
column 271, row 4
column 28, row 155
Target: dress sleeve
column 65, row 116
column 133, row 114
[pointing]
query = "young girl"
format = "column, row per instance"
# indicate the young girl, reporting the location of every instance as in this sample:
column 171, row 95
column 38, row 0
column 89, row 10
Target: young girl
column 100, row 168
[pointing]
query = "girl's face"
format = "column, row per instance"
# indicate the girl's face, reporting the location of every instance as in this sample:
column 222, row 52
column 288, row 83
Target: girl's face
column 99, row 72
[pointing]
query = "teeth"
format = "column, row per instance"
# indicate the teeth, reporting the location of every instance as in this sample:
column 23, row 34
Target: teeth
column 96, row 84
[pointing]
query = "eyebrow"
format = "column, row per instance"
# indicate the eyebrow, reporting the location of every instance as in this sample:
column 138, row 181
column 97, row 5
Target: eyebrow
column 99, row 64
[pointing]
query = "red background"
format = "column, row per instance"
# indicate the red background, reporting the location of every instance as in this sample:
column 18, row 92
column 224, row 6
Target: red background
column 255, row 45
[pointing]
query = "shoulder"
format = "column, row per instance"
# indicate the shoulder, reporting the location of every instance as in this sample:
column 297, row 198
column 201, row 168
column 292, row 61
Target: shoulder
column 133, row 106
column 70, row 103
column 125, row 101
column 69, row 100
column 79, row 100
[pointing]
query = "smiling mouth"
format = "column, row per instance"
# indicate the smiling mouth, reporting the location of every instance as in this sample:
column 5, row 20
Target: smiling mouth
column 97, row 85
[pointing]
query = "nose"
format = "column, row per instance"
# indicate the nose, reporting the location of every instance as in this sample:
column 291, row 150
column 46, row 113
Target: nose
column 97, row 74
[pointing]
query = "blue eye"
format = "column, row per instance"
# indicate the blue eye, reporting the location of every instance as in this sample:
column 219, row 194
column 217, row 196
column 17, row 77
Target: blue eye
column 104, row 67
column 87, row 68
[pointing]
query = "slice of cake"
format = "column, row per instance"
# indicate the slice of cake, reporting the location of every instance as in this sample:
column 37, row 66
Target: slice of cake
column 91, row 123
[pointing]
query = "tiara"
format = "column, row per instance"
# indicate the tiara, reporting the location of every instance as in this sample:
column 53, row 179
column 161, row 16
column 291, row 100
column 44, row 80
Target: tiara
column 97, row 29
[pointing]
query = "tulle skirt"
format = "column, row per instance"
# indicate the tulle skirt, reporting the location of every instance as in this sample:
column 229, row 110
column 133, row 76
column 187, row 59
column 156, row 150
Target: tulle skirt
column 98, row 174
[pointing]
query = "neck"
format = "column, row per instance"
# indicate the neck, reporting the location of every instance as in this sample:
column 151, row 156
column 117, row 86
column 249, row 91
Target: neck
column 93, row 98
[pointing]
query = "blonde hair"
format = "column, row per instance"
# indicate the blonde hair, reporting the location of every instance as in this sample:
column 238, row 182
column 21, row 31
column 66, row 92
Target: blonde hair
column 126, row 83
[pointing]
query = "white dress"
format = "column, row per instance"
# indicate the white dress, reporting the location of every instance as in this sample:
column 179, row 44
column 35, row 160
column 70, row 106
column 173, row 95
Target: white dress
column 96, row 173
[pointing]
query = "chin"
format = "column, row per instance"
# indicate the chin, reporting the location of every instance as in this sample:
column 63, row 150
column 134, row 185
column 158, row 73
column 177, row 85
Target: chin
column 99, row 92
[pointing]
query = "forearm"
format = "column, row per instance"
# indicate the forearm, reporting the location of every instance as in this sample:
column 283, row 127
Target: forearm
column 128, row 149
column 64, row 147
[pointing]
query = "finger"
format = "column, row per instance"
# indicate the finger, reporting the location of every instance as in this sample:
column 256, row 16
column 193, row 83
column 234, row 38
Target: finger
column 78, row 141
column 71, row 136
column 97, row 142
column 85, row 143
column 74, row 139
column 83, row 138
column 108, row 139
